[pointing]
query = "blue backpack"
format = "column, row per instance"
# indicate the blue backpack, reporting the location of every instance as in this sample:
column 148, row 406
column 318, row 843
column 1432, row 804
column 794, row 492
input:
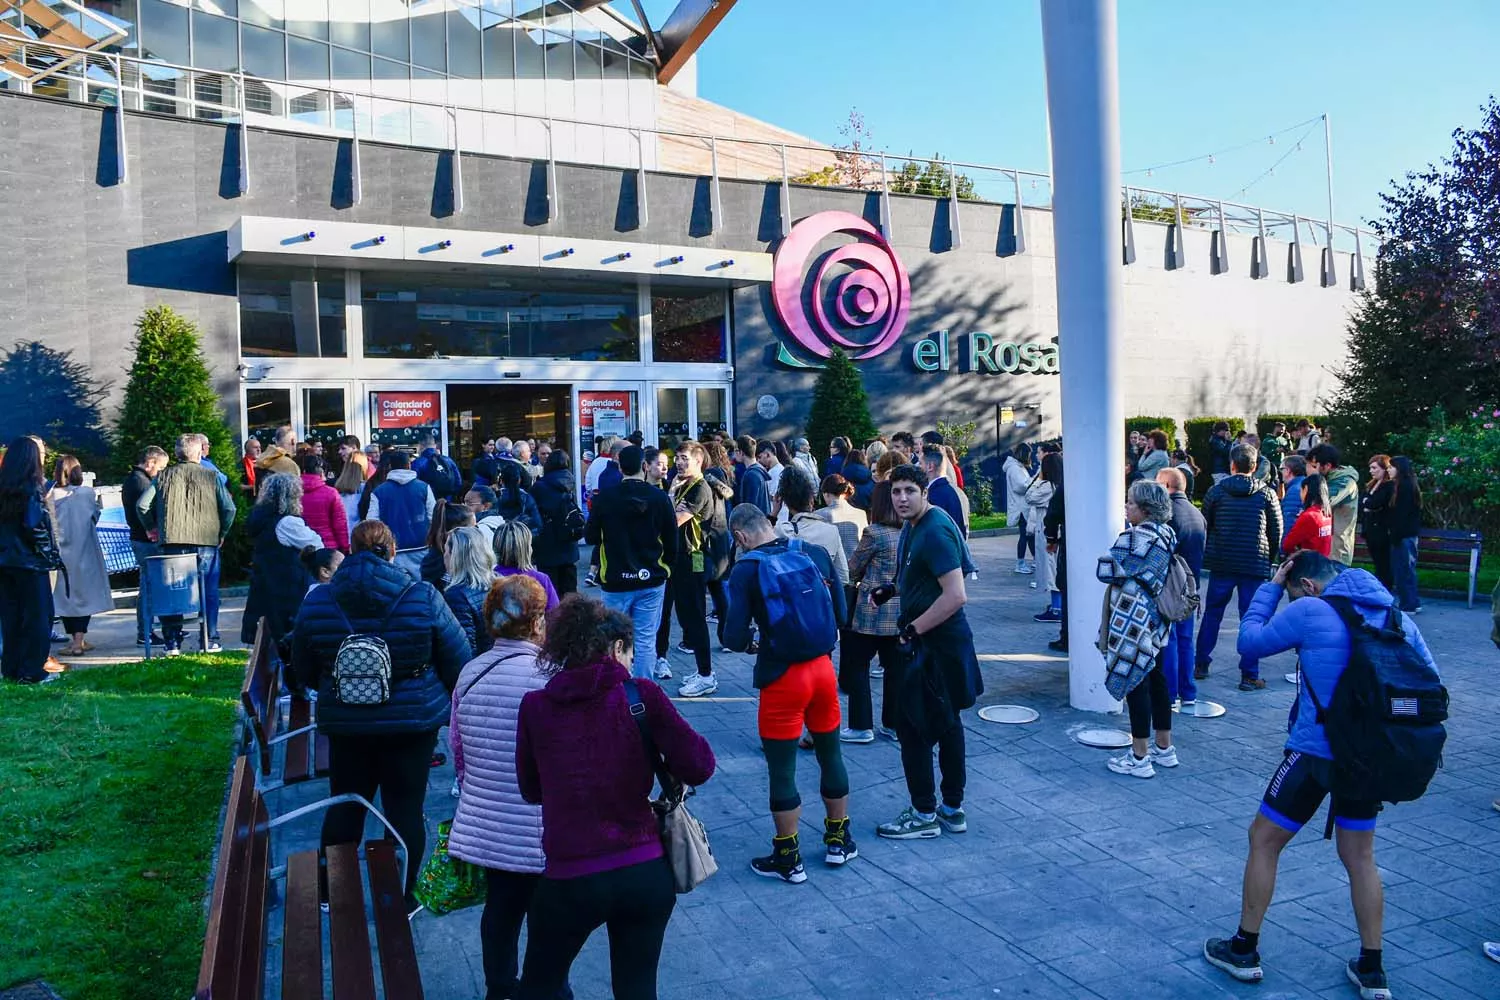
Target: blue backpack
column 799, row 612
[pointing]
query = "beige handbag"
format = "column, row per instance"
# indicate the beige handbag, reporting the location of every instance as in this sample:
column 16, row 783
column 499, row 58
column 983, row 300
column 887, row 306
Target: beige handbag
column 684, row 841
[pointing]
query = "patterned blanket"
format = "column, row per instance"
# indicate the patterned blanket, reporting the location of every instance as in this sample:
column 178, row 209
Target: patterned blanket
column 1131, row 630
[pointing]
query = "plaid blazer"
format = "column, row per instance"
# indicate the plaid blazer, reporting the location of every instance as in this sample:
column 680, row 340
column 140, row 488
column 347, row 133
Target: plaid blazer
column 874, row 564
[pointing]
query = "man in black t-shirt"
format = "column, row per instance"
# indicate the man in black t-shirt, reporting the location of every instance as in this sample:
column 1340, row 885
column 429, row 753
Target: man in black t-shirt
column 930, row 580
column 693, row 501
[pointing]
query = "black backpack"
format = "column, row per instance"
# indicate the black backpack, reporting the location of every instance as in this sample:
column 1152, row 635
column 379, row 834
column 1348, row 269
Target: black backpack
column 1385, row 720
column 441, row 474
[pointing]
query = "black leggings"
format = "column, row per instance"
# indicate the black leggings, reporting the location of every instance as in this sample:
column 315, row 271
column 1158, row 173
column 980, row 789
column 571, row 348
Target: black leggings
column 856, row 650
column 687, row 593
column 1150, row 707
column 1026, row 540
column 781, row 762
column 397, row 765
column 75, row 626
column 634, row 903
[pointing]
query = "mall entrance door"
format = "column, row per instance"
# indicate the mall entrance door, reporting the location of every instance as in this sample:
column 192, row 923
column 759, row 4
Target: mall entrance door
column 480, row 413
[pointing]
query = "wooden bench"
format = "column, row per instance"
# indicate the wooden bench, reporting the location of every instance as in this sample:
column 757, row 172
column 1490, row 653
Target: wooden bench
column 234, row 948
column 272, row 721
column 1440, row 549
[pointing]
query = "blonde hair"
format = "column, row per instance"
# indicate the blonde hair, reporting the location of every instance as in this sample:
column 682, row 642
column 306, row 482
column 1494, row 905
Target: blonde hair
column 351, row 479
column 513, row 546
column 469, row 561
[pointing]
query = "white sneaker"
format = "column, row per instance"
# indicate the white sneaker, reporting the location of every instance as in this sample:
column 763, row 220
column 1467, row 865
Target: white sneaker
column 1032, row 585
column 454, row 791
column 697, row 686
column 856, row 736
column 1162, row 758
column 1135, row 767
column 663, row 669
column 1025, row 568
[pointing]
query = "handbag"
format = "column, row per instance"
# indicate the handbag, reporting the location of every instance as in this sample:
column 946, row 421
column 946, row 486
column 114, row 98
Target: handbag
column 447, row 883
column 683, row 839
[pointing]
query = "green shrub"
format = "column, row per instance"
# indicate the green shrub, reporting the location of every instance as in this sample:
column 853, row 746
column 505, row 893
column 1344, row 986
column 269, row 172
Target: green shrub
column 1166, row 425
column 1199, row 430
column 981, row 496
column 1458, row 466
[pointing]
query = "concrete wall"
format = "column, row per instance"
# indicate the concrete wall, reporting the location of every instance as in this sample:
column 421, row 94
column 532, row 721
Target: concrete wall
column 87, row 255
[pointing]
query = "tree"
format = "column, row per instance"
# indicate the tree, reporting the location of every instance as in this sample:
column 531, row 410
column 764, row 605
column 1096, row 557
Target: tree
column 49, row 394
column 931, row 179
column 852, row 166
column 1425, row 342
column 840, row 407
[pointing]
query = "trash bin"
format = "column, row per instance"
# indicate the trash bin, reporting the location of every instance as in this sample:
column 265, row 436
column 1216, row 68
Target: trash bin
column 170, row 585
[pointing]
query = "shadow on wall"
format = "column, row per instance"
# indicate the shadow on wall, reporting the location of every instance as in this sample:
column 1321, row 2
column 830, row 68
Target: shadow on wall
column 192, row 264
column 1244, row 385
column 56, row 397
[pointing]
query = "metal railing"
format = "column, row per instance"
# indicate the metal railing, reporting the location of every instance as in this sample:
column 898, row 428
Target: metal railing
column 130, row 83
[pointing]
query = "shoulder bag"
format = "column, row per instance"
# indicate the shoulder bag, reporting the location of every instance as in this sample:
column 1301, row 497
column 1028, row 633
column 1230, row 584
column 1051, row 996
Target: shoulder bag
column 683, row 839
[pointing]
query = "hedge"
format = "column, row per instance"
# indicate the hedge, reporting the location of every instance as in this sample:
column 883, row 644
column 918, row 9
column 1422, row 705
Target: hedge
column 1198, row 431
column 1265, row 420
column 1165, row 424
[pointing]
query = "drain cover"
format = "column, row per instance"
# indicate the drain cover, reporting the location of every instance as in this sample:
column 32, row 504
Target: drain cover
column 1104, row 739
column 1201, row 710
column 1013, row 714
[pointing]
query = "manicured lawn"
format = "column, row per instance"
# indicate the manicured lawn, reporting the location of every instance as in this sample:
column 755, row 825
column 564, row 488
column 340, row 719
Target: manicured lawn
column 1458, row 580
column 111, row 782
column 985, row 522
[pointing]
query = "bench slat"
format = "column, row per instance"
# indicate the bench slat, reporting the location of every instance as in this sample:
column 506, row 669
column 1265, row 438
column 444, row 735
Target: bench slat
column 349, row 940
column 252, row 965
column 302, row 931
column 223, row 943
column 398, row 956
column 258, row 696
column 298, row 747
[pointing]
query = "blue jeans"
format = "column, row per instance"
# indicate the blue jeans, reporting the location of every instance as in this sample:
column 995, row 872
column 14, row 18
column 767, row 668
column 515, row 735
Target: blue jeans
column 1404, row 571
column 1177, row 662
column 143, row 551
column 1220, row 586
column 644, row 609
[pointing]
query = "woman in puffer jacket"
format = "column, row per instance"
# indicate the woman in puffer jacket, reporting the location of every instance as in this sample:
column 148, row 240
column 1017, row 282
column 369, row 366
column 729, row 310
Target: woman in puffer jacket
column 494, row 827
column 385, row 747
column 322, row 507
column 471, row 570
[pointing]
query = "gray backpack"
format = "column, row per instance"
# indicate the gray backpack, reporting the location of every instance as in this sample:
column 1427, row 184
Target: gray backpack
column 362, row 666
column 1178, row 600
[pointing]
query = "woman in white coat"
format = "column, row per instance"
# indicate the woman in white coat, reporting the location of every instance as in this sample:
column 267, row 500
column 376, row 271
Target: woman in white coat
column 494, row 827
column 82, row 588
column 1038, row 495
column 1017, row 471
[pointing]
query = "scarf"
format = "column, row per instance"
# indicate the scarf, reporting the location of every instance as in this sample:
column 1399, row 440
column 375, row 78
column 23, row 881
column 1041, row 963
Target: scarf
column 1131, row 630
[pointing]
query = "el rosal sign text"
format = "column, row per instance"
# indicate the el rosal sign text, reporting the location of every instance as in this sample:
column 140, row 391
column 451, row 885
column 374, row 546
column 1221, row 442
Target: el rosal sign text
column 982, row 353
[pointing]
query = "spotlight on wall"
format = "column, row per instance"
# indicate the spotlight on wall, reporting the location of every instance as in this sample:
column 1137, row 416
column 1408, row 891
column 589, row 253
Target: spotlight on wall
column 567, row 252
column 444, row 244
column 507, row 247
column 380, row 239
column 675, row 260
column 623, row 255
column 727, row 262
column 308, row 235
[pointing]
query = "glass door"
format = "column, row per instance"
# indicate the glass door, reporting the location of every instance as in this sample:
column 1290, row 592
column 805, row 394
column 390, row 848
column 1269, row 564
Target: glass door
column 324, row 420
column 402, row 414
column 684, row 412
column 317, row 414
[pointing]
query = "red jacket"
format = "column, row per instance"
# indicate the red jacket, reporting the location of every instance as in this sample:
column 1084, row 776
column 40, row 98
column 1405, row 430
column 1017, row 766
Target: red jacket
column 1313, row 530
column 323, row 510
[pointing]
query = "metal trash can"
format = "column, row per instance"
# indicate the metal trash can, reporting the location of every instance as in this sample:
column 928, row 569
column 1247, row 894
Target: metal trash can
column 172, row 585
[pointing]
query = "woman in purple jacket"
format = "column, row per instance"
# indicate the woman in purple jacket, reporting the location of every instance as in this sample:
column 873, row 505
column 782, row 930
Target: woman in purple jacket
column 579, row 754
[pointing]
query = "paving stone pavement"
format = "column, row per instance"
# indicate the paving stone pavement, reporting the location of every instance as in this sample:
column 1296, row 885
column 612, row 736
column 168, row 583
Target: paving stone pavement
column 1072, row 882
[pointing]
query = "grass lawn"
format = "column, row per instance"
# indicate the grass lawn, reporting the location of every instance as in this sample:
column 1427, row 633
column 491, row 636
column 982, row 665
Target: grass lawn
column 1457, row 580
column 985, row 522
column 111, row 781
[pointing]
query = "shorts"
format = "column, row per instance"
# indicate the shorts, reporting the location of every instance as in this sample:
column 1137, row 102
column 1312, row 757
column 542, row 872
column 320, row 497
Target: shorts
column 1298, row 788
column 808, row 693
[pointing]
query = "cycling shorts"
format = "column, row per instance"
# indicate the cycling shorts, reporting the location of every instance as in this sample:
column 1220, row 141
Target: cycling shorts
column 808, row 693
column 1299, row 787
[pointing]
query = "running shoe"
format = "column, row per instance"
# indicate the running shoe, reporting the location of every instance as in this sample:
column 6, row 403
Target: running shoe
column 683, row 647
column 953, row 820
column 784, row 861
column 1024, row 569
column 886, row 732
column 1052, row 615
column 1492, row 950
column 591, row 580
column 1245, row 968
column 1371, row 985
column 663, row 669
column 856, row 736
column 909, row 826
column 838, row 843
column 1131, row 765
column 1162, row 758
column 213, row 647
column 698, row 685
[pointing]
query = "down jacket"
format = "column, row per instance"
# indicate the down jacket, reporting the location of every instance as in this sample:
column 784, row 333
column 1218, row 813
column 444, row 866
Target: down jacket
column 494, row 827
column 323, row 510
column 1243, row 518
column 427, row 647
column 467, row 605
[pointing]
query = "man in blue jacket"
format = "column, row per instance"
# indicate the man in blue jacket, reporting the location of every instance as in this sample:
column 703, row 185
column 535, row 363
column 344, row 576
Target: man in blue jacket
column 940, row 492
column 1192, row 536
column 1313, row 628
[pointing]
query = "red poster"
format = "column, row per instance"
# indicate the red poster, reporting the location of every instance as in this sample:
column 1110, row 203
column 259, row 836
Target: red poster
column 601, row 413
column 406, row 409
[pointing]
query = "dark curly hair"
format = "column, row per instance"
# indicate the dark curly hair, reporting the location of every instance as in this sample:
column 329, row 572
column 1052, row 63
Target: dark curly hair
column 580, row 632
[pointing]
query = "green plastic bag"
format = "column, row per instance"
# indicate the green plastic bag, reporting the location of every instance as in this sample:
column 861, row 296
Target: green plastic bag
column 446, row 883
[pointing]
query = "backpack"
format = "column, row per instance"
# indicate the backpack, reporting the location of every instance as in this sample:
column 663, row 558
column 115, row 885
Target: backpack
column 1178, row 600
column 799, row 611
column 1384, row 722
column 362, row 665
column 441, row 474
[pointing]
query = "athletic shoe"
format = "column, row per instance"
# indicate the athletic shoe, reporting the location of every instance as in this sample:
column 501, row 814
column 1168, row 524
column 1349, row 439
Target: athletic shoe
column 711, row 618
column 856, row 736
column 663, row 669
column 1032, row 585
column 1050, row 615
column 1136, row 767
column 1290, row 678
column 1372, row 985
column 1057, row 646
column 59, row 637
column 591, row 580
column 1162, row 758
column 1492, row 950
column 886, row 732
column 174, row 651
column 1496, row 805
column 1245, row 968
column 1200, row 672
column 784, row 861
column 1189, row 702
column 909, row 826
column 1025, row 569
column 156, row 640
column 953, row 820
column 877, row 671
column 1248, row 684
column 697, row 686
column 1416, row 610
column 683, row 647
column 726, row 649
column 213, row 647
column 838, row 843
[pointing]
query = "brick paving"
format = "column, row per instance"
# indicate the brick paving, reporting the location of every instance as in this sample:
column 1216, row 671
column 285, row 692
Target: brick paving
column 1072, row 882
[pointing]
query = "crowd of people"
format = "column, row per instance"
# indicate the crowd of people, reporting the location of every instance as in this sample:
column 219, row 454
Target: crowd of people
column 470, row 582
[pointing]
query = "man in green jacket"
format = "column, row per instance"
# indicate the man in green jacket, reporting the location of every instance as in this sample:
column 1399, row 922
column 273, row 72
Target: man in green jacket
column 193, row 513
column 1343, row 493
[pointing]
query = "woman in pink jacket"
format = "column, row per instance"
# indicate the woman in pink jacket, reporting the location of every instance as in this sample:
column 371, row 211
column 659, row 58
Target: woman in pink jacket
column 322, row 507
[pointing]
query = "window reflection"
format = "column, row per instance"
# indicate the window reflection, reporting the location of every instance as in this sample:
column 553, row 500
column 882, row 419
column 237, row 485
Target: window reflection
column 291, row 313
column 688, row 325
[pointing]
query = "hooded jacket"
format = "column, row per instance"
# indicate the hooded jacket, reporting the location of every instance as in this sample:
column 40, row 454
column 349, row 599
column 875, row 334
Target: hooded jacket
column 554, row 493
column 1017, row 479
column 405, row 504
column 636, row 530
column 1343, row 493
column 427, row 647
column 863, row 481
column 1291, row 502
column 1315, row 631
column 273, row 461
column 579, row 754
column 1243, row 519
column 323, row 510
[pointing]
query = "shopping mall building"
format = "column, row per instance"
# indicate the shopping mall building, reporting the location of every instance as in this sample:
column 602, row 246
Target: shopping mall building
column 515, row 217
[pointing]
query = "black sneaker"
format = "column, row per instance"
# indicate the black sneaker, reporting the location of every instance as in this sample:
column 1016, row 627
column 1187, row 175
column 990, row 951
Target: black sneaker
column 1200, row 672
column 1050, row 615
column 1057, row 646
column 784, row 861
column 1372, row 985
column 1245, row 968
column 156, row 640
column 838, row 843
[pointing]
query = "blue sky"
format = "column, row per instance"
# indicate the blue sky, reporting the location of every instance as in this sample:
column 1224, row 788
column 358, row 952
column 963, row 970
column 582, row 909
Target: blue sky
column 1195, row 77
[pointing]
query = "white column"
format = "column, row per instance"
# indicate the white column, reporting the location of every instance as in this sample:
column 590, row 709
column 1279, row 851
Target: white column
column 1083, row 111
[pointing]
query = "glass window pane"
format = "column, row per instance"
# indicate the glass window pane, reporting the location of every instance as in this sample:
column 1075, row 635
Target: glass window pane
column 687, row 325
column 307, row 60
column 616, row 60
column 216, row 42
column 229, row 8
column 422, row 316
column 271, row 13
column 463, row 44
column 349, row 23
column 308, row 17
column 351, row 69
column 388, row 29
column 499, row 49
column 266, row 410
column 528, row 55
column 164, row 32
column 671, row 417
column 323, row 420
column 429, row 45
column 711, row 412
column 559, row 56
column 282, row 310
column 264, row 52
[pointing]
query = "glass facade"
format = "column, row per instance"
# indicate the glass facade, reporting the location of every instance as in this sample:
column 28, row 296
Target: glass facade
column 288, row 312
column 688, row 325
